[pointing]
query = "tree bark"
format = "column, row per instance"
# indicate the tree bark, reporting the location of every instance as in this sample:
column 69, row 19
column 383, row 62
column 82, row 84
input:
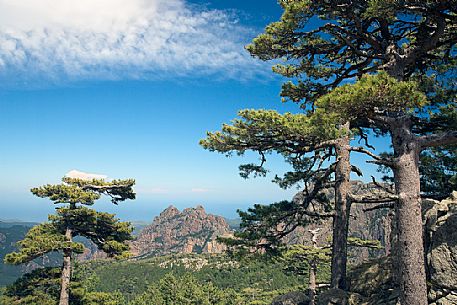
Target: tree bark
column 312, row 282
column 66, row 272
column 342, row 209
column 313, row 269
column 410, row 263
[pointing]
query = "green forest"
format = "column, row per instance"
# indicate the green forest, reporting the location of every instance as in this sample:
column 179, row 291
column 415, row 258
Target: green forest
column 221, row 281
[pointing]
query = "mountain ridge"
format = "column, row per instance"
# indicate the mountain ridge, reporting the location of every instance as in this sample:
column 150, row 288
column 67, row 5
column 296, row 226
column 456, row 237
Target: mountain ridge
column 191, row 230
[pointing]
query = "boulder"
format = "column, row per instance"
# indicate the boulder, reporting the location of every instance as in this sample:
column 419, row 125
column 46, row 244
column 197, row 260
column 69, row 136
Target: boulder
column 339, row 297
column 292, row 298
column 373, row 281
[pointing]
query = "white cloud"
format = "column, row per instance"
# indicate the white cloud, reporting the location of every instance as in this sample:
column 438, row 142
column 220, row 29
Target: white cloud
column 118, row 39
column 199, row 190
column 85, row 176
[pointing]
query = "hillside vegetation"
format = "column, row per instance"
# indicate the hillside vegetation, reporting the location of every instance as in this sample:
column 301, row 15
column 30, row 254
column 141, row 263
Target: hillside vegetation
column 171, row 279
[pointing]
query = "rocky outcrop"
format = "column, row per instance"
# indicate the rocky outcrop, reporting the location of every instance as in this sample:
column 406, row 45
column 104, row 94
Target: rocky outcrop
column 189, row 231
column 2, row 238
column 441, row 249
column 372, row 283
column 91, row 250
column 367, row 225
column 340, row 297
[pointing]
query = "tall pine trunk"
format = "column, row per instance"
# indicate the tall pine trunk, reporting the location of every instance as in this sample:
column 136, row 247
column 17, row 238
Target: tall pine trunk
column 410, row 263
column 66, row 271
column 313, row 270
column 342, row 209
column 312, row 282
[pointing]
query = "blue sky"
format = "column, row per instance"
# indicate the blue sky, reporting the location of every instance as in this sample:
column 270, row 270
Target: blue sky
column 128, row 93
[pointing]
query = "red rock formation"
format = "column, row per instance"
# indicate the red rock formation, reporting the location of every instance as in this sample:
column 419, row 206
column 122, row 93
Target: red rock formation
column 189, row 231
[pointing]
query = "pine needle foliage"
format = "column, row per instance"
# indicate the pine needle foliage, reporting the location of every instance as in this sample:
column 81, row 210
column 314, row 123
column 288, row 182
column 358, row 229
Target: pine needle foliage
column 266, row 131
column 40, row 240
column 75, row 219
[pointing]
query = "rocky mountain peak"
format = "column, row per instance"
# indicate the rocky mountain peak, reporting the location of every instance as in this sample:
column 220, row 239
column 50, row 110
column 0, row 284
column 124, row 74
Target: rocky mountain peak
column 198, row 210
column 169, row 212
column 192, row 230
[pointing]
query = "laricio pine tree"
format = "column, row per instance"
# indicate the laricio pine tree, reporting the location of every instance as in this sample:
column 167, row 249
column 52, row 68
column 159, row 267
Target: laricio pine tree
column 384, row 103
column 438, row 171
column 308, row 147
column 296, row 255
column 328, row 43
column 318, row 150
column 73, row 219
column 301, row 259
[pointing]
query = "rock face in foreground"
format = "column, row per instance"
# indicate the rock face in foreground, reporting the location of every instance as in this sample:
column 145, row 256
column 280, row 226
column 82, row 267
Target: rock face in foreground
column 370, row 225
column 375, row 280
column 441, row 249
column 371, row 283
column 189, row 231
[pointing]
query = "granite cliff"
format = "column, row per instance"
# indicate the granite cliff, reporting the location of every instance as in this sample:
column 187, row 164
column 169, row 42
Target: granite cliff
column 189, row 231
column 372, row 282
column 367, row 225
column 194, row 231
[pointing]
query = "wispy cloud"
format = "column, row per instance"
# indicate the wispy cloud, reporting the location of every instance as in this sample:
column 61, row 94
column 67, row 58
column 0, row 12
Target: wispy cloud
column 85, row 176
column 118, row 39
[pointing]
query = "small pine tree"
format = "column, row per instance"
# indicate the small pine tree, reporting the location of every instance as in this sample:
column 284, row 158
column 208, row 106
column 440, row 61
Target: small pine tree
column 107, row 232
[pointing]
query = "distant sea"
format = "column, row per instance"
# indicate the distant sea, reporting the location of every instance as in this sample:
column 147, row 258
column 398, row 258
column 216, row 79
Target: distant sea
column 141, row 211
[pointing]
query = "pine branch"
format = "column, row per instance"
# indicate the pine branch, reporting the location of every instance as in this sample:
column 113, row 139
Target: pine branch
column 364, row 137
column 356, row 170
column 382, row 187
column 377, row 159
column 441, row 139
column 319, row 215
column 380, row 198
column 385, row 205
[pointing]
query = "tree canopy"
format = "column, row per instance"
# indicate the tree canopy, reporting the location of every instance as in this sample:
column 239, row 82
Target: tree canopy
column 75, row 219
column 410, row 48
column 326, row 43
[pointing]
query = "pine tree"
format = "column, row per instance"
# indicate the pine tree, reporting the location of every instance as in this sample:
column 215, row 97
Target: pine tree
column 107, row 232
column 184, row 290
column 296, row 255
column 438, row 171
column 314, row 144
column 328, row 43
column 385, row 104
